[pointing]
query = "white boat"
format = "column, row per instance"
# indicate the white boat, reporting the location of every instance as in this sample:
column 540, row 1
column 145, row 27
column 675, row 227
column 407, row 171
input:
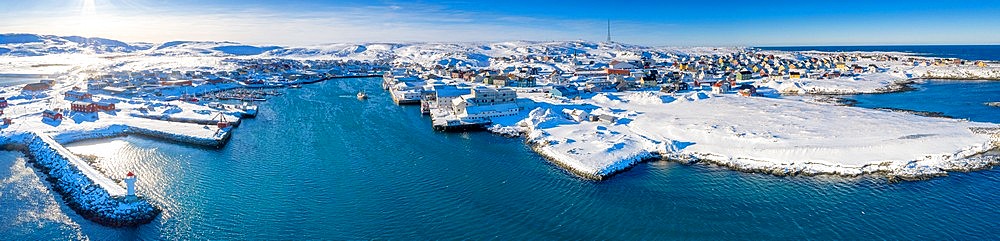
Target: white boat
column 362, row 95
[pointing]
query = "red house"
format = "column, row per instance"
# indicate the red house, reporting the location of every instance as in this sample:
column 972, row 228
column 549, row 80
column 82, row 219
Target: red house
column 7, row 121
column 105, row 106
column 3, row 102
column 52, row 115
column 36, row 87
column 80, row 106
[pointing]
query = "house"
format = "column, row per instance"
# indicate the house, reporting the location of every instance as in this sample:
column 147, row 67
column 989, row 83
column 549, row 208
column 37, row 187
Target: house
column 566, row 92
column 598, row 85
column 744, row 75
column 747, row 90
column 81, row 106
column 177, row 83
column 720, row 87
column 858, row 69
column 105, row 105
column 577, row 115
column 610, row 119
column 615, row 64
column 557, row 78
column 36, row 87
column 486, row 103
column 3, row 102
column 522, row 82
column 96, row 85
column 794, row 75
column 841, row 66
column 649, row 79
column 980, row 63
column 616, row 74
column 872, row 68
column 79, row 95
column 52, row 115
column 7, row 121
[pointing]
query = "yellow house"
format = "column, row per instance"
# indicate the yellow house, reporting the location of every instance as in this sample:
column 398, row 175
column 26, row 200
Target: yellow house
column 794, row 75
column 841, row 66
column 980, row 63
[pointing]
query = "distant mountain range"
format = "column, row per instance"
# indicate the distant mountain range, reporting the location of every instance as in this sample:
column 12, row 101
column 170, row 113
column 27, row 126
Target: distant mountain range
column 470, row 54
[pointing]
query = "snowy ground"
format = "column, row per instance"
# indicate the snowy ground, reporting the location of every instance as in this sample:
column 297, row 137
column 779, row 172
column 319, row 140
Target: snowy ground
column 749, row 133
column 865, row 83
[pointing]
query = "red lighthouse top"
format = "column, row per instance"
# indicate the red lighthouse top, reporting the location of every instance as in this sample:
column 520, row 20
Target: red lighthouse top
column 130, row 174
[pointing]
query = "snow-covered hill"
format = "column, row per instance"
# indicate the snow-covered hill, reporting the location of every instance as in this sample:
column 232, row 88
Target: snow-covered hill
column 36, row 45
column 460, row 54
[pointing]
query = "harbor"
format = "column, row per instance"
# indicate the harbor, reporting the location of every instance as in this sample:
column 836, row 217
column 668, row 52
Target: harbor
column 417, row 169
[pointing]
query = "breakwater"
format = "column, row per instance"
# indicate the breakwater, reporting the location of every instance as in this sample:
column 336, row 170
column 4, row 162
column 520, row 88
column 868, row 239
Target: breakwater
column 85, row 190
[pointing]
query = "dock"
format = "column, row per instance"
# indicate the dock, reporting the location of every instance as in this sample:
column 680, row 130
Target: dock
column 444, row 121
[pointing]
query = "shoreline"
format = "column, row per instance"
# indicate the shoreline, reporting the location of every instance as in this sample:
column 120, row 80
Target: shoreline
column 886, row 169
column 914, row 170
column 84, row 192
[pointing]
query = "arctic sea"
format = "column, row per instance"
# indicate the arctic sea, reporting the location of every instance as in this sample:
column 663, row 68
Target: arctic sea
column 319, row 164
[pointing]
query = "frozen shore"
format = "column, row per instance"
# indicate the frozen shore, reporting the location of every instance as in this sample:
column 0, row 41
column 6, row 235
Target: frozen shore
column 775, row 136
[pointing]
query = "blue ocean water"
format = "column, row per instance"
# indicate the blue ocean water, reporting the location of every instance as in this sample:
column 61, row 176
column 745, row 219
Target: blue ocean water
column 961, row 99
column 18, row 79
column 319, row 164
column 967, row 52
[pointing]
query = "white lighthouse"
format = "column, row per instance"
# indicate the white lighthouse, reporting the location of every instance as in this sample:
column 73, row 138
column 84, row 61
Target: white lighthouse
column 130, row 186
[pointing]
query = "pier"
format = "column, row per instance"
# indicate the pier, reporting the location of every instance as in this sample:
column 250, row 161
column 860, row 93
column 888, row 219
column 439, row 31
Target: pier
column 88, row 192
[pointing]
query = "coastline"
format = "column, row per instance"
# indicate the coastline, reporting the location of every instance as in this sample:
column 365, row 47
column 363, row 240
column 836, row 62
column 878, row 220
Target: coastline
column 889, row 170
column 86, row 192
column 964, row 160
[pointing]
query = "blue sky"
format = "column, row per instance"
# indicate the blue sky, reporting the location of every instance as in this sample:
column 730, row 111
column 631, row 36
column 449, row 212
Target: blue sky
column 716, row 23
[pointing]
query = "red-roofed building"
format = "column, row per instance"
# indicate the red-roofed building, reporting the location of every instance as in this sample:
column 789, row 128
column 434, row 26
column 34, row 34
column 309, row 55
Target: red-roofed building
column 80, row 106
column 104, row 106
column 51, row 114
column 617, row 72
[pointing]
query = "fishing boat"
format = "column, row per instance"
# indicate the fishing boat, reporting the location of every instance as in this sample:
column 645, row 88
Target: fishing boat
column 362, row 95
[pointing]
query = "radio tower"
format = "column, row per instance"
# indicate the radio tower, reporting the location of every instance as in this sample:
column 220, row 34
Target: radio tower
column 609, row 30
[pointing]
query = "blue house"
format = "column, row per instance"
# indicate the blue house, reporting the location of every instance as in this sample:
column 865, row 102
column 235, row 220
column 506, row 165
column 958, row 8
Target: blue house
column 563, row 91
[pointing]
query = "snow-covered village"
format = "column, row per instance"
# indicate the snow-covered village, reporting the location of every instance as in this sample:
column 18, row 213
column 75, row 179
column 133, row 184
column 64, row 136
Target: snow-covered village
column 594, row 109
column 261, row 120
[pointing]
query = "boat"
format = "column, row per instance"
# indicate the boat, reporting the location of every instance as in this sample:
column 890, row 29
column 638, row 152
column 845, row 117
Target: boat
column 362, row 95
column 296, row 86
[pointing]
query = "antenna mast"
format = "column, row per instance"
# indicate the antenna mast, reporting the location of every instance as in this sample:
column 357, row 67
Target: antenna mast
column 609, row 30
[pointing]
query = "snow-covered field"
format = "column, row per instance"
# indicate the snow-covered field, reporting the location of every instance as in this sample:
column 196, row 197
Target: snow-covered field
column 770, row 135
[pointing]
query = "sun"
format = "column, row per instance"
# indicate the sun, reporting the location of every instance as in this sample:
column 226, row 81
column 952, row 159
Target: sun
column 87, row 7
column 89, row 20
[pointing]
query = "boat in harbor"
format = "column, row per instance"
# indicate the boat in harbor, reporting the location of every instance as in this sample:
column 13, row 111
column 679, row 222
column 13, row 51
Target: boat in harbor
column 362, row 95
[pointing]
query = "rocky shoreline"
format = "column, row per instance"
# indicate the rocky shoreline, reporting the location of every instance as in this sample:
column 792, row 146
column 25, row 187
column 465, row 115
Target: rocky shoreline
column 891, row 171
column 80, row 192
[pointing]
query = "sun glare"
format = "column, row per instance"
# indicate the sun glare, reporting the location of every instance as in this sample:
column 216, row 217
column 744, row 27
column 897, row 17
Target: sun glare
column 87, row 7
column 89, row 19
